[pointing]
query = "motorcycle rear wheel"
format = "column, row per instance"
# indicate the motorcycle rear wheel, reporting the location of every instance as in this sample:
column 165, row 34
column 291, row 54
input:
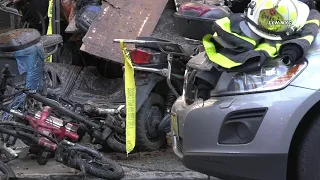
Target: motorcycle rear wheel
column 147, row 136
column 148, row 119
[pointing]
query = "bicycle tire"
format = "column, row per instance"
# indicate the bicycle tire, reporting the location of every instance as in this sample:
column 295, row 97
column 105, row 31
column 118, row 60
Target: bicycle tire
column 7, row 155
column 115, row 145
column 33, row 25
column 113, row 172
column 5, row 169
column 43, row 23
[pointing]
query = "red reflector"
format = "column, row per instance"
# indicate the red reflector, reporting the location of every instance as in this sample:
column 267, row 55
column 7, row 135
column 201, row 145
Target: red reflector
column 142, row 75
column 139, row 56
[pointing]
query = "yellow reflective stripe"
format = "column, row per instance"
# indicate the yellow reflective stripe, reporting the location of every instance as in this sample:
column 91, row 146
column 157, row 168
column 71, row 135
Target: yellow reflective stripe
column 272, row 51
column 313, row 21
column 278, row 45
column 217, row 57
column 224, row 23
column 309, row 38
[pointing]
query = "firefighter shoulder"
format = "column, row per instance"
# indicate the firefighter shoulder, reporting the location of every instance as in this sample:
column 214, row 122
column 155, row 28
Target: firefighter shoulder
column 267, row 29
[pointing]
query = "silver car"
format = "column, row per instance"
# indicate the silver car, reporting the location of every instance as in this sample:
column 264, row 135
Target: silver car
column 259, row 125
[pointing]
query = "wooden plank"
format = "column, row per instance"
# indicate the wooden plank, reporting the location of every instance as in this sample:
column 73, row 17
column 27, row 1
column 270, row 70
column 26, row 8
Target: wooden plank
column 121, row 19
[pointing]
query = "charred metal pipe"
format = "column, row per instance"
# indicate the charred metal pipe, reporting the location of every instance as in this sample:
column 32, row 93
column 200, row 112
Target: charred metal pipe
column 10, row 10
column 103, row 111
column 109, row 121
column 134, row 41
column 169, row 58
column 57, row 122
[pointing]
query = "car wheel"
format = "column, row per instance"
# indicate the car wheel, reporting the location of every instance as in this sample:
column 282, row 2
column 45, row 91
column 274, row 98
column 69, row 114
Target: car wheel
column 308, row 159
column 148, row 118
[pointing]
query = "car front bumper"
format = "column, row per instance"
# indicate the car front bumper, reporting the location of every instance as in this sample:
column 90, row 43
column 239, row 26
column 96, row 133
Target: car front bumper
column 196, row 139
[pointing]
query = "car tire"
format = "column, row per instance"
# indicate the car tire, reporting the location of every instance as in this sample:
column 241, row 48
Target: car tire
column 308, row 153
column 154, row 104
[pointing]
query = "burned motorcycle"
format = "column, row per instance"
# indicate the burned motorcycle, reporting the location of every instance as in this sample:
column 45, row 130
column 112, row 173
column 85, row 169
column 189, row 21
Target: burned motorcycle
column 159, row 66
column 103, row 99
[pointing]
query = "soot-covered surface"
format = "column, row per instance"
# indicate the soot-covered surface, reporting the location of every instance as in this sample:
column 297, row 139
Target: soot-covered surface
column 157, row 165
column 85, row 84
column 100, row 90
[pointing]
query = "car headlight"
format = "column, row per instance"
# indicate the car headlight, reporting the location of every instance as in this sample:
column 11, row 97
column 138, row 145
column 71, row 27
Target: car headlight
column 274, row 75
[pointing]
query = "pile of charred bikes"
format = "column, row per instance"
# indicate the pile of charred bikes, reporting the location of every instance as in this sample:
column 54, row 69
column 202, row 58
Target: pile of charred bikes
column 48, row 136
column 54, row 127
column 51, row 131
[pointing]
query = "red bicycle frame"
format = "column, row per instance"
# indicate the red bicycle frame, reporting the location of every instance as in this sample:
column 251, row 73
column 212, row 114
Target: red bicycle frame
column 48, row 125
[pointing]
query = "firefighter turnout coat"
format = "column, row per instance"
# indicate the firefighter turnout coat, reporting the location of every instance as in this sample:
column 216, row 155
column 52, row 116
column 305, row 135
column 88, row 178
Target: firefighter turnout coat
column 241, row 48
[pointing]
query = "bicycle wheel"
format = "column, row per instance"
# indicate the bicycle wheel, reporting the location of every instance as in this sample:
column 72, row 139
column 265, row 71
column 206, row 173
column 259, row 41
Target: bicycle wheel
column 34, row 14
column 5, row 156
column 100, row 167
column 117, row 142
column 32, row 20
column 6, row 171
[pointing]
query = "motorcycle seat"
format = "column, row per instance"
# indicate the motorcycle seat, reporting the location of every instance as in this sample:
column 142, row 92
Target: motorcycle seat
column 18, row 39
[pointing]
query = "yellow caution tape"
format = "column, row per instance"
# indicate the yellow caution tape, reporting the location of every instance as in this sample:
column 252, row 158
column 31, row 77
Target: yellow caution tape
column 49, row 31
column 130, row 90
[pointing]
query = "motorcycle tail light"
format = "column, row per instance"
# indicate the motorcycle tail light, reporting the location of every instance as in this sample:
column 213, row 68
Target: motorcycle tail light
column 139, row 56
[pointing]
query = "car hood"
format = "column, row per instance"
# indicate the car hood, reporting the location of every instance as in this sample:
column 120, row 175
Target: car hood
column 310, row 76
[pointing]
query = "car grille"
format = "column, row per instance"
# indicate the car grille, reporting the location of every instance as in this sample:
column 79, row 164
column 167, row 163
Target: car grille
column 247, row 114
column 180, row 145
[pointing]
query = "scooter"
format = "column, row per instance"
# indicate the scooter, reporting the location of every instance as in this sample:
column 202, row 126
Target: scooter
column 159, row 66
column 155, row 95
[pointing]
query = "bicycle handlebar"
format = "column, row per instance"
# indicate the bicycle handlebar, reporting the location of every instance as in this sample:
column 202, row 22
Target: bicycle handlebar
column 10, row 10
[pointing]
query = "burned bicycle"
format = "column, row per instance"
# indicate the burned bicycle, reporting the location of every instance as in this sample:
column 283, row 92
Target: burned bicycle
column 50, row 135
